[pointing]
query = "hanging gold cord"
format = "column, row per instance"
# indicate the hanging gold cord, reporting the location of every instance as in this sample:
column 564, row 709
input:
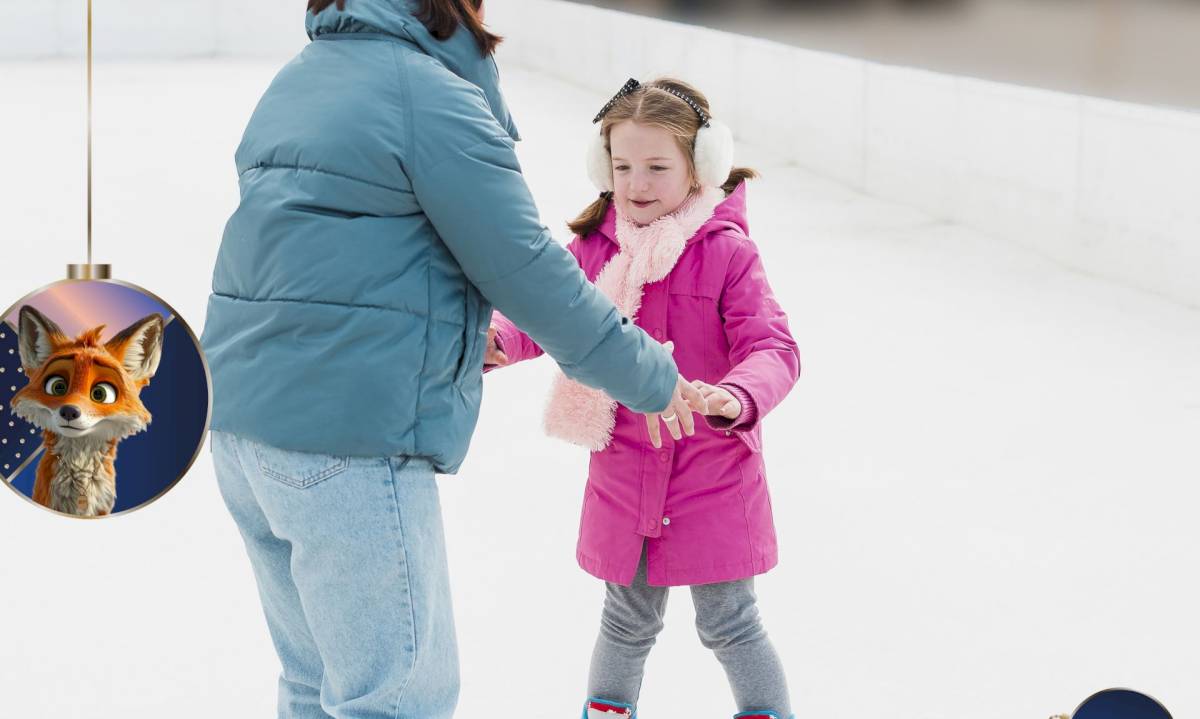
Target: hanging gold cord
column 89, row 132
column 89, row 271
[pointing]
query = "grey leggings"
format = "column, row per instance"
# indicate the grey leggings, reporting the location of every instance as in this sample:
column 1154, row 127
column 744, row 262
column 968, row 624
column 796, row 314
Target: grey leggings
column 728, row 624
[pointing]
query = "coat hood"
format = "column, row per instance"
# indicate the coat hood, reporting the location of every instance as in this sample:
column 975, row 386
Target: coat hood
column 732, row 210
column 459, row 53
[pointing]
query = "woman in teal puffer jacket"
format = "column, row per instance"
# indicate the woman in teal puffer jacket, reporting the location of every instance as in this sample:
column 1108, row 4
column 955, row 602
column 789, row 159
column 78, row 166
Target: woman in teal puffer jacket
column 382, row 215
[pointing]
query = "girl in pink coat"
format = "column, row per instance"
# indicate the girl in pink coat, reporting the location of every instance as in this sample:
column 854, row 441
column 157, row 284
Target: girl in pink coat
column 668, row 243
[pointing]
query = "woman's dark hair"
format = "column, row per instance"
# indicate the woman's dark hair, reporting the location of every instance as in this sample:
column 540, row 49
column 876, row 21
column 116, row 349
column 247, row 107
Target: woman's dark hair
column 440, row 17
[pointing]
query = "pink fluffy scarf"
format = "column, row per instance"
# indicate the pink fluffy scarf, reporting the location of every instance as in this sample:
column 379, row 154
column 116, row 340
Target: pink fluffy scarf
column 585, row 416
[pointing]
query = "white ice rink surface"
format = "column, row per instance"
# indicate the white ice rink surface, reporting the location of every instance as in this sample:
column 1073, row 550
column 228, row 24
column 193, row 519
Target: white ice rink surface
column 986, row 482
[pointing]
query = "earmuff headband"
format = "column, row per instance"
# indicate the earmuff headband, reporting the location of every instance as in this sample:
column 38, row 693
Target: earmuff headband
column 712, row 154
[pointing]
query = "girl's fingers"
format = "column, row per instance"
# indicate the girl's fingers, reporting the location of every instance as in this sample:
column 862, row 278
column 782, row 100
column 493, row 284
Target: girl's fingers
column 731, row 409
column 714, row 398
column 694, row 397
column 493, row 354
column 721, row 401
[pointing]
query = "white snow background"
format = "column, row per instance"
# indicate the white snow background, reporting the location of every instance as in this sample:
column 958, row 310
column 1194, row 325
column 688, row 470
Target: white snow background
column 985, row 482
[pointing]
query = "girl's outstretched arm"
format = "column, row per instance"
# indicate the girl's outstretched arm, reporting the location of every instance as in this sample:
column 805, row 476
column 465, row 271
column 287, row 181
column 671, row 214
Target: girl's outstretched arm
column 765, row 359
column 515, row 344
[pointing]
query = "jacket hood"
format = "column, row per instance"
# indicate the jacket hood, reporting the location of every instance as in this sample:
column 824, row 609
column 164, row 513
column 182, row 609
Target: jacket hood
column 459, row 53
column 732, row 210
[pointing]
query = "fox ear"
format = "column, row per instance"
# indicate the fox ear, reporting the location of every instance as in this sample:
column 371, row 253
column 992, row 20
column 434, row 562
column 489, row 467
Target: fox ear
column 37, row 336
column 139, row 346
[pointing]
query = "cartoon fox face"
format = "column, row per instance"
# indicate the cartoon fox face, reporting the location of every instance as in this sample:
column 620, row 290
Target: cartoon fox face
column 84, row 395
column 82, row 387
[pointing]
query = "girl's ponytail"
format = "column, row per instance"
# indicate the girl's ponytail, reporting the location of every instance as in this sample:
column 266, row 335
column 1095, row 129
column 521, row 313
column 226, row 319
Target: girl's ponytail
column 737, row 177
column 592, row 216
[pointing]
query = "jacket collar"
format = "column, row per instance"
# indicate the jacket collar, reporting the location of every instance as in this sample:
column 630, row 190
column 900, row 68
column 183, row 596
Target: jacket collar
column 459, row 53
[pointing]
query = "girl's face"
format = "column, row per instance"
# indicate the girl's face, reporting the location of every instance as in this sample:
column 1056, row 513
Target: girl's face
column 651, row 175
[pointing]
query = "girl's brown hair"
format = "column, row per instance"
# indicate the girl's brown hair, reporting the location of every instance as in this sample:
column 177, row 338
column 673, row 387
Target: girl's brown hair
column 650, row 104
column 440, row 17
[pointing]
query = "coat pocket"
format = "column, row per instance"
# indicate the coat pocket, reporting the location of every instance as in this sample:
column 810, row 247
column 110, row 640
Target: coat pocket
column 297, row 469
column 474, row 335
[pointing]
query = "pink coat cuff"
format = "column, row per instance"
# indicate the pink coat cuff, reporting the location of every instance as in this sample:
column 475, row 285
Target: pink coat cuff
column 745, row 421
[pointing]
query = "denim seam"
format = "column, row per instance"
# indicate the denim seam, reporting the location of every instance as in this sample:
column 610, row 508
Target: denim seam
column 301, row 482
column 412, row 615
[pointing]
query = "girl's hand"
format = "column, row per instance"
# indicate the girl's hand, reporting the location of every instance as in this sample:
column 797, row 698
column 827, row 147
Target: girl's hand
column 493, row 355
column 720, row 401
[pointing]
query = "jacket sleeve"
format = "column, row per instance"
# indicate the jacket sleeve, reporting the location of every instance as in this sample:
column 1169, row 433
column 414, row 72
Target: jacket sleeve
column 466, row 178
column 514, row 343
column 765, row 359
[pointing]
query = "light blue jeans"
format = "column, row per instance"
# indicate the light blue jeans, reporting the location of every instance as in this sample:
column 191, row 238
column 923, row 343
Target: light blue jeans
column 350, row 560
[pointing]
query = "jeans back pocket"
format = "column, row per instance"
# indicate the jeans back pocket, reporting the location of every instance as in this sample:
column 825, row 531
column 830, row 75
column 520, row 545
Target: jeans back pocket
column 297, row 469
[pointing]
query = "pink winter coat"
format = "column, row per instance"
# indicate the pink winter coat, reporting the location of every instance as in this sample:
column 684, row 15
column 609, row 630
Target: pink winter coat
column 700, row 505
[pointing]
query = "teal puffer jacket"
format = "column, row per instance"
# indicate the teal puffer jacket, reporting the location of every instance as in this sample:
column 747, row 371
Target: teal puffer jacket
column 383, row 213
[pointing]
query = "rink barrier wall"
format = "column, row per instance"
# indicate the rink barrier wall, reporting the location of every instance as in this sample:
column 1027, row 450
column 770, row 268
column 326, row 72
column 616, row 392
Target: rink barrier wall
column 1105, row 187
column 151, row 29
column 1108, row 188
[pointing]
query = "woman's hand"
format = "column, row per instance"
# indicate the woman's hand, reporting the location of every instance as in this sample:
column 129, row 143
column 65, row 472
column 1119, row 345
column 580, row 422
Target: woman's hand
column 721, row 402
column 678, row 414
column 493, row 355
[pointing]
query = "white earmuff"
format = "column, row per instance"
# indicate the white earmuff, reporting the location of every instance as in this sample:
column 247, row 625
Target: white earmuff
column 599, row 164
column 713, row 154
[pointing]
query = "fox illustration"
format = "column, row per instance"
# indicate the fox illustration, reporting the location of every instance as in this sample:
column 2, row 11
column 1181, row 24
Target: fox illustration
column 84, row 396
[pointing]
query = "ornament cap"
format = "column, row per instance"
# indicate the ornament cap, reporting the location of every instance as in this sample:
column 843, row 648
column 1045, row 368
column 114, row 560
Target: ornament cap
column 89, row 272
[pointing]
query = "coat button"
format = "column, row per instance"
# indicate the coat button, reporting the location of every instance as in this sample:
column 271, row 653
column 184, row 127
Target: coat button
column 658, row 334
column 666, row 520
column 727, row 433
column 664, row 457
